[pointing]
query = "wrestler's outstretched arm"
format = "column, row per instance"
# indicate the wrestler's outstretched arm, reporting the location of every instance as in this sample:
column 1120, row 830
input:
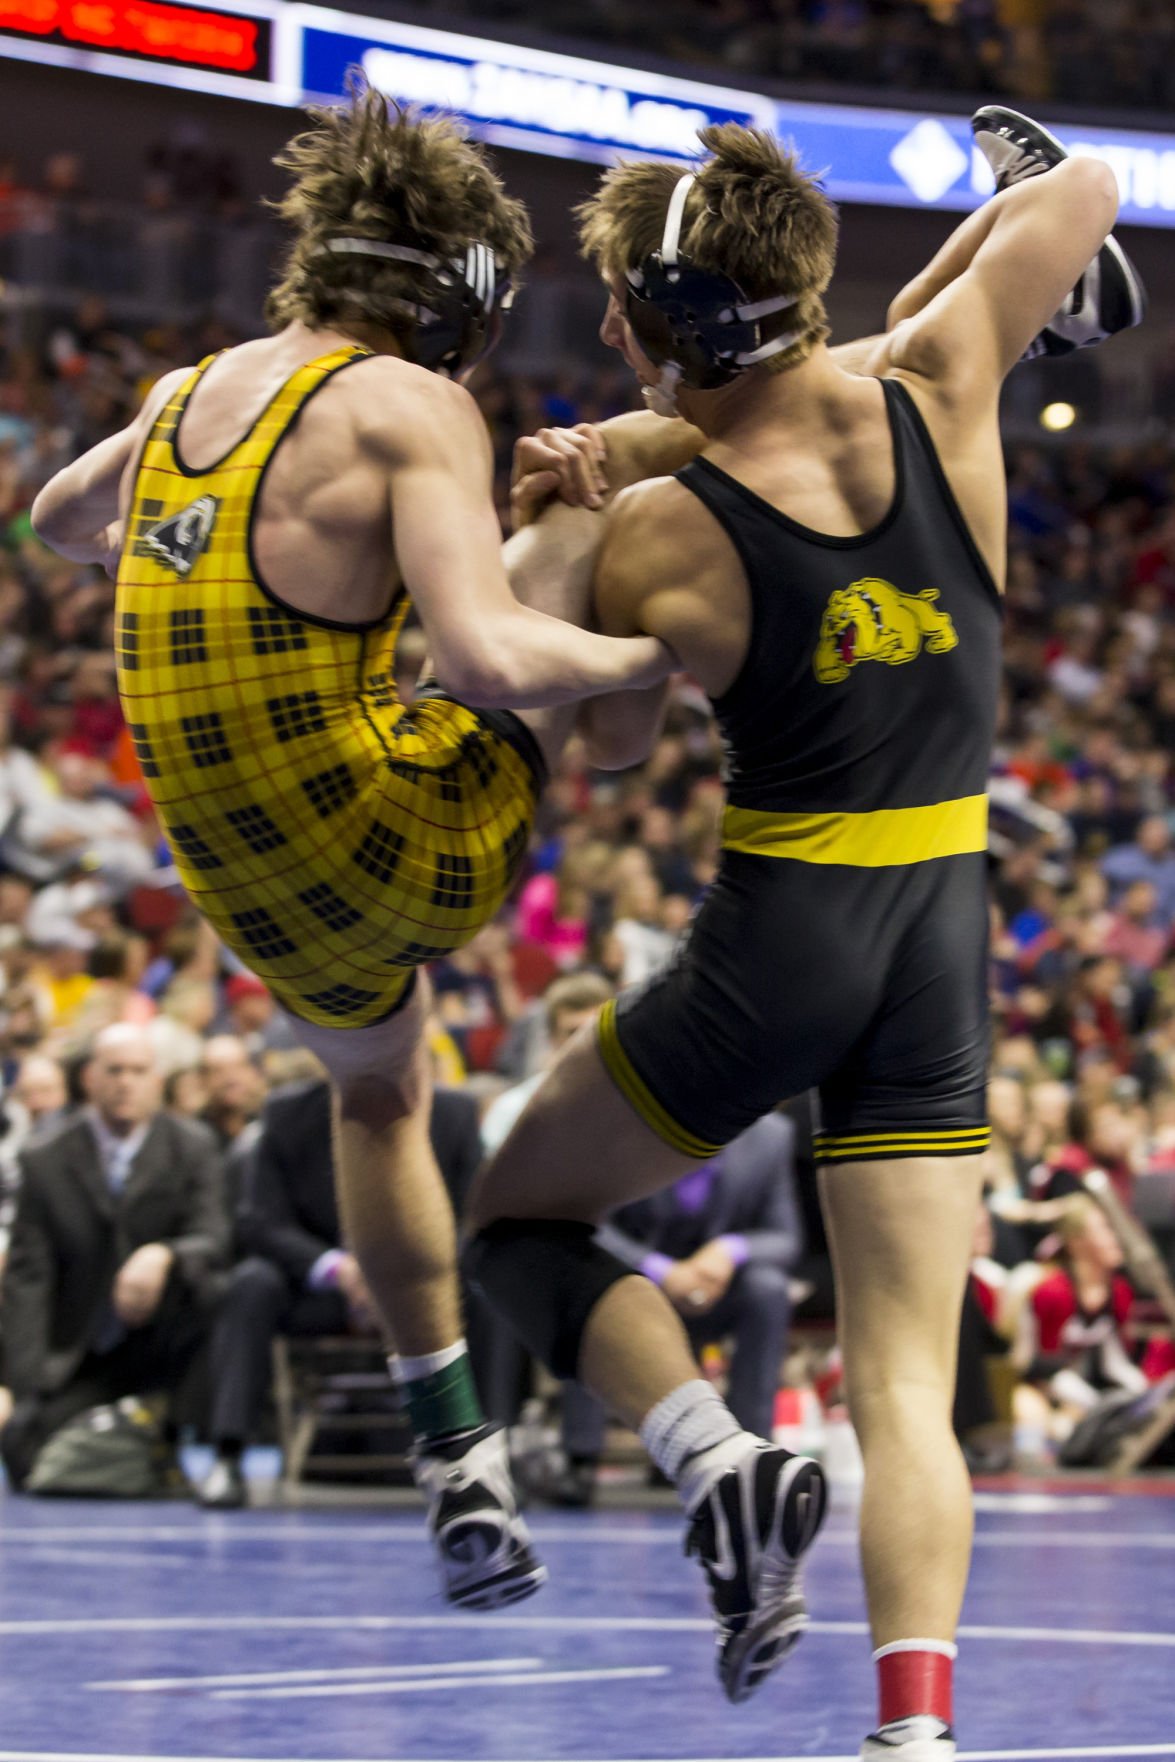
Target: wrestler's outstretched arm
column 79, row 511
column 487, row 649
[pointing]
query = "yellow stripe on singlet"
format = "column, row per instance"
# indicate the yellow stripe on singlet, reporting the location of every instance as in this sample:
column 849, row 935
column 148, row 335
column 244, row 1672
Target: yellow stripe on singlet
column 623, row 1073
column 886, row 838
column 867, row 1146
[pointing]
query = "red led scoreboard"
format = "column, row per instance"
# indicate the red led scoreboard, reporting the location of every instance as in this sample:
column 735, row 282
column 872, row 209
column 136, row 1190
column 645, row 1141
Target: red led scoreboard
column 182, row 36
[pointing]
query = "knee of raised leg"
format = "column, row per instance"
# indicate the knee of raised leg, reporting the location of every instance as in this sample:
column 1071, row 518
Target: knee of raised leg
column 377, row 1100
column 545, row 1277
column 258, row 1280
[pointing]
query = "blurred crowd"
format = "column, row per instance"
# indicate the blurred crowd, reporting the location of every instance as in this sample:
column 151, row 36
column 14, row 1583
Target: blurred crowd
column 1103, row 52
column 94, row 930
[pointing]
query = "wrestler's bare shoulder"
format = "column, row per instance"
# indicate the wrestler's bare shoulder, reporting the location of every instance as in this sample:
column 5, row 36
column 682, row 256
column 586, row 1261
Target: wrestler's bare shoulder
column 398, row 408
column 664, row 529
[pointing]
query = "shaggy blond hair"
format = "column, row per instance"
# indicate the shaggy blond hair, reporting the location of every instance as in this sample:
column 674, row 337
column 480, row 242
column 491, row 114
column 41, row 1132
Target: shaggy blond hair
column 752, row 213
column 368, row 169
column 1076, row 1213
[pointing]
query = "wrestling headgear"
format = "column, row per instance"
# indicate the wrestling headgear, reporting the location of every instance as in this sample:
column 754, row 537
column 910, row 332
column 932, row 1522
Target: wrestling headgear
column 696, row 324
column 462, row 304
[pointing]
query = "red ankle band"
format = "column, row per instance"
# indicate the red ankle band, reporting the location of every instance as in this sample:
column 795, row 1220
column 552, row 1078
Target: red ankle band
column 913, row 1683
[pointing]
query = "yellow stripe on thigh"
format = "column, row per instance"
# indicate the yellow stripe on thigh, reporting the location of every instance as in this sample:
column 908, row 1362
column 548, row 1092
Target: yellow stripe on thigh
column 639, row 1097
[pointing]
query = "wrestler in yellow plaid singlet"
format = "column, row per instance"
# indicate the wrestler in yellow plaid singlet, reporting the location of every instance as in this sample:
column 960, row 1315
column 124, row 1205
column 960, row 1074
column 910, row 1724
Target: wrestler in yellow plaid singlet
column 334, row 838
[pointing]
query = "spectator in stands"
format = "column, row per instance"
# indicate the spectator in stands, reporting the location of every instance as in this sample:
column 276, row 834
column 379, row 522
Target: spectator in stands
column 1110, row 1136
column 1138, row 936
column 1149, row 858
column 23, row 790
column 501, row 1363
column 96, row 713
column 185, row 1092
column 554, row 910
column 85, row 826
column 984, row 1440
column 721, row 1244
column 1092, row 1013
column 1077, row 1345
column 61, row 976
column 642, row 943
column 252, row 1015
column 1010, row 1226
column 40, row 1088
column 299, row 1278
column 74, row 910
column 1155, row 1066
column 34, row 1106
column 187, row 1008
column 114, row 965
column 119, row 1225
column 16, row 896
column 477, row 995
column 569, row 1003
column 234, row 1088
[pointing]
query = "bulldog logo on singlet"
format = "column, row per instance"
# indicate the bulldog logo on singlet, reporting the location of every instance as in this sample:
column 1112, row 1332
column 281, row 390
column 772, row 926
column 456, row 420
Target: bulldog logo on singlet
column 874, row 621
column 178, row 541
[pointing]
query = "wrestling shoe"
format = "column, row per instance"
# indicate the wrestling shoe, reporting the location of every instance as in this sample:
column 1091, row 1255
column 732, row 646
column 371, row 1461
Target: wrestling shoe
column 483, row 1545
column 750, row 1533
column 1110, row 296
column 922, row 1739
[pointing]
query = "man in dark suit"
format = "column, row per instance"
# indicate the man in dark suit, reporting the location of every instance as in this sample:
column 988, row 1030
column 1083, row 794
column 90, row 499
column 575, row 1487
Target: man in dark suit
column 721, row 1243
column 120, row 1225
column 299, row 1279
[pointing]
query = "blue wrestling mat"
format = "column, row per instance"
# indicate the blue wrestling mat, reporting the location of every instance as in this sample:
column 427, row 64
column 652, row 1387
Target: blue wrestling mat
column 136, row 1632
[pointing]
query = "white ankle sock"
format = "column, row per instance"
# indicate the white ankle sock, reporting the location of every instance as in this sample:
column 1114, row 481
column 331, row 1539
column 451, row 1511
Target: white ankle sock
column 409, row 1370
column 694, row 1438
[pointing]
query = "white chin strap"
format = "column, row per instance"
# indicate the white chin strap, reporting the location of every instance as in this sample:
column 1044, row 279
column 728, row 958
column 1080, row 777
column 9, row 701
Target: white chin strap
column 661, row 398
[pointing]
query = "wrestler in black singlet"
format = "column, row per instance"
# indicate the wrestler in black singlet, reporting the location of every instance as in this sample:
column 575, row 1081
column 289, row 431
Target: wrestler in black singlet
column 843, row 945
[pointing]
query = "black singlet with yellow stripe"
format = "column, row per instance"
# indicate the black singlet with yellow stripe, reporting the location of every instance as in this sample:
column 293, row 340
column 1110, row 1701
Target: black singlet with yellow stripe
column 334, row 838
column 843, row 945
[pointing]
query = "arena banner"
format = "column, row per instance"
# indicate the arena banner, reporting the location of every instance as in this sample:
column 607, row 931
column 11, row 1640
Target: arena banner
column 284, row 52
column 530, row 99
column 900, row 159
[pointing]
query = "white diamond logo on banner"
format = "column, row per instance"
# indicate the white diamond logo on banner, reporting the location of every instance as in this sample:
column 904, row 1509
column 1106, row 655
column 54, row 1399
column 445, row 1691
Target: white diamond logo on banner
column 929, row 160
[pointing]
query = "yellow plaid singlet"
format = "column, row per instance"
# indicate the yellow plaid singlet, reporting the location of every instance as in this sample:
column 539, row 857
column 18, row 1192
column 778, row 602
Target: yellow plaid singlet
column 333, row 838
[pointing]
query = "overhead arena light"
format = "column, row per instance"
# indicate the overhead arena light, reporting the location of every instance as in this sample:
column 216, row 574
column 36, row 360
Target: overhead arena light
column 1058, row 417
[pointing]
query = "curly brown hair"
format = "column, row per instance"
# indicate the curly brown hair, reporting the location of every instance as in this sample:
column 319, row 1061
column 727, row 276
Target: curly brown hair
column 753, row 213
column 369, row 169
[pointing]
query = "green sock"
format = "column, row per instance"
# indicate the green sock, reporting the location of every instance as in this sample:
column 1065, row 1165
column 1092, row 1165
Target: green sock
column 439, row 1393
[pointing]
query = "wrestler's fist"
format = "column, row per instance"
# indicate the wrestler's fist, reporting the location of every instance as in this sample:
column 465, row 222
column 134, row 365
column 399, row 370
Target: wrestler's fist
column 564, row 464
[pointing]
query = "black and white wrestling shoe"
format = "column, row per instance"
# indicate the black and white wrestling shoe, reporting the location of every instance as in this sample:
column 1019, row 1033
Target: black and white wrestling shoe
column 750, row 1533
column 483, row 1545
column 922, row 1739
column 1110, row 296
